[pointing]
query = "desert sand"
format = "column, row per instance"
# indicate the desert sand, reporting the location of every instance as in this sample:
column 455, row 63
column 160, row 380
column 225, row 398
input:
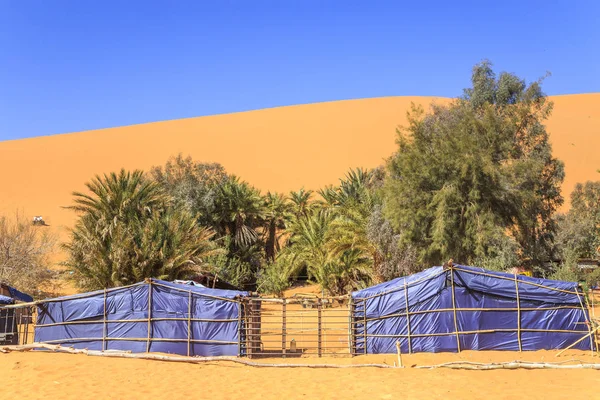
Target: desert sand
column 79, row 377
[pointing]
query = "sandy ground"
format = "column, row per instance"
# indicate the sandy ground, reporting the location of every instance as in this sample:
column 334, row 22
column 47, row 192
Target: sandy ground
column 65, row 376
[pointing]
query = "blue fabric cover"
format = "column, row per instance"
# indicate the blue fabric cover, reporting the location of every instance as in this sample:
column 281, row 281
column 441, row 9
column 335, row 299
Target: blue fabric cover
column 431, row 290
column 15, row 294
column 6, row 300
column 130, row 304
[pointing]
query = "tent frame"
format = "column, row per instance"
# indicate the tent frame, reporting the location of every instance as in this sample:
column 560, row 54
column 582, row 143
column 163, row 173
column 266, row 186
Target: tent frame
column 360, row 320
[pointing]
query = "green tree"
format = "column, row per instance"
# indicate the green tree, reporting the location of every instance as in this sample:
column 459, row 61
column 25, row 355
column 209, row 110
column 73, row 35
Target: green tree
column 278, row 213
column 192, row 185
column 128, row 229
column 468, row 174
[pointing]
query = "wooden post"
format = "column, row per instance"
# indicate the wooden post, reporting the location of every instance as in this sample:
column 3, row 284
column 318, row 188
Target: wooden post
column 454, row 309
column 319, row 331
column 407, row 316
column 283, row 329
column 592, row 338
column 518, row 314
column 240, row 332
column 149, row 314
column 365, row 323
column 399, row 354
column 589, row 324
column 189, row 324
column 104, row 327
column 351, row 347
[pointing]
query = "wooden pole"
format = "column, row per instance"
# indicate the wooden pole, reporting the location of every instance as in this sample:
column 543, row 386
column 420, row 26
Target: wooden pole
column 589, row 324
column 591, row 333
column 454, row 309
column 105, row 326
column 149, row 315
column 189, row 324
column 351, row 347
column 518, row 314
column 319, row 330
column 399, row 354
column 592, row 338
column 240, row 329
column 283, row 329
column 407, row 316
column 365, row 324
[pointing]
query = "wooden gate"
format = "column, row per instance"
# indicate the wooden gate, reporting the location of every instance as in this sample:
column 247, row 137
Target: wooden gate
column 296, row 326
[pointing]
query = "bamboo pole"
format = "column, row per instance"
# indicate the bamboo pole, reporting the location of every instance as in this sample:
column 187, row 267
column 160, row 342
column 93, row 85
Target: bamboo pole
column 193, row 360
column 407, row 316
column 105, row 326
column 509, row 365
column 123, row 321
column 589, row 324
column 461, row 309
column 240, row 329
column 518, row 314
column 208, row 296
column 509, row 279
column 592, row 338
column 415, row 335
column 350, row 327
column 126, row 339
column 149, row 315
column 189, row 324
column 365, row 324
column 319, row 331
column 283, row 329
column 591, row 333
column 454, row 309
column 413, row 283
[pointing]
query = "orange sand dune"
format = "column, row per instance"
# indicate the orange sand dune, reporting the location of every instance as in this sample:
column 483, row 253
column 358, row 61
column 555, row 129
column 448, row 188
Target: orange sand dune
column 79, row 377
column 277, row 149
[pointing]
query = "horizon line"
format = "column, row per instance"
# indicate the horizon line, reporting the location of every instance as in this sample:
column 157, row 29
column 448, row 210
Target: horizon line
column 255, row 110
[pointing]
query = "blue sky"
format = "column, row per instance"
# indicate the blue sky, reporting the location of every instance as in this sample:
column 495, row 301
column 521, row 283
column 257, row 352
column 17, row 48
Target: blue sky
column 68, row 66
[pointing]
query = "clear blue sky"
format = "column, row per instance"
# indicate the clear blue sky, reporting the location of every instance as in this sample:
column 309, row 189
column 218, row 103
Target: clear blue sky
column 76, row 65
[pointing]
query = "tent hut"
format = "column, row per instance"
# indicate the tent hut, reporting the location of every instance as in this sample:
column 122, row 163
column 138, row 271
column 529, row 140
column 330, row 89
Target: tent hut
column 454, row 308
column 11, row 318
column 9, row 291
column 154, row 315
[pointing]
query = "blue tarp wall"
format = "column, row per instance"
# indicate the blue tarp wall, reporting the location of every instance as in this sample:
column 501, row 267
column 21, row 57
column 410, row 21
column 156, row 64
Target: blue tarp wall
column 214, row 324
column 18, row 295
column 551, row 313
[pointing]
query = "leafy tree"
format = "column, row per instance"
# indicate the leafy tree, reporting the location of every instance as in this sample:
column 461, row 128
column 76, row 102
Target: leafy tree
column 468, row 174
column 192, row 185
column 24, row 255
column 128, row 229
column 579, row 233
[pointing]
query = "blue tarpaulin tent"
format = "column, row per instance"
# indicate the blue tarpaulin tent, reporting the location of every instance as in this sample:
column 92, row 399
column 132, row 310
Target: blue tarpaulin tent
column 155, row 316
column 10, row 291
column 466, row 308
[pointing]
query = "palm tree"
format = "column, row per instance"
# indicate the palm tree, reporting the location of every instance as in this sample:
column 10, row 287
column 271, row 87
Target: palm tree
column 128, row 230
column 301, row 202
column 240, row 210
column 277, row 215
column 117, row 198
